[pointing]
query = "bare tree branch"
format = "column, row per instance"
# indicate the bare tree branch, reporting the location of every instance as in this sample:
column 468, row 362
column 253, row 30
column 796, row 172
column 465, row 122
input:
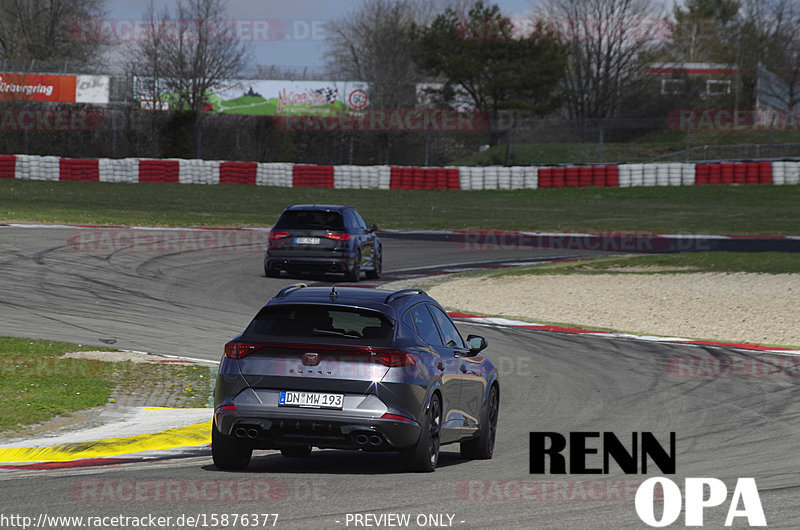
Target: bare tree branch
column 606, row 41
column 44, row 30
column 191, row 54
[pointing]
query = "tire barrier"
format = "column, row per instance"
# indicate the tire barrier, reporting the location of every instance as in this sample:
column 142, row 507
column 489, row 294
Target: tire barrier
column 164, row 171
column 237, row 172
column 118, row 170
column 78, row 169
column 424, row 178
column 307, row 176
column 190, row 171
column 8, row 166
column 274, row 174
column 362, row 177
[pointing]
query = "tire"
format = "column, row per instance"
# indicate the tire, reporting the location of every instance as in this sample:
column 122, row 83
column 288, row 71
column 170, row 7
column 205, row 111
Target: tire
column 354, row 274
column 424, row 455
column 299, row 451
column 271, row 273
column 482, row 447
column 377, row 265
column 229, row 453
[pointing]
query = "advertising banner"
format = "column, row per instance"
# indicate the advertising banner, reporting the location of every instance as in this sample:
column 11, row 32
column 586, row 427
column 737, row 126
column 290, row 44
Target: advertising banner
column 290, row 98
column 94, row 89
column 37, row 87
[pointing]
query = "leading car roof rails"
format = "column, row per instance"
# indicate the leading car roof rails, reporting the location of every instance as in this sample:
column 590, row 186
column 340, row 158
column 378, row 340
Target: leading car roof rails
column 289, row 289
column 402, row 292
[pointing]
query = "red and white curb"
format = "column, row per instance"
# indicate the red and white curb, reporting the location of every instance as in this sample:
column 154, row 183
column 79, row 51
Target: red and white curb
column 505, row 322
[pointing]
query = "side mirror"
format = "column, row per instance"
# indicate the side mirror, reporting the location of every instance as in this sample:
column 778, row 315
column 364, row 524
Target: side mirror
column 373, row 227
column 476, row 344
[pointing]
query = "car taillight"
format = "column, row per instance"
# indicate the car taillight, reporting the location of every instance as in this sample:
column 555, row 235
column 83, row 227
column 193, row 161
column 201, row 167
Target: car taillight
column 277, row 234
column 391, row 358
column 222, row 408
column 338, row 236
column 385, row 356
column 397, row 417
column 239, row 350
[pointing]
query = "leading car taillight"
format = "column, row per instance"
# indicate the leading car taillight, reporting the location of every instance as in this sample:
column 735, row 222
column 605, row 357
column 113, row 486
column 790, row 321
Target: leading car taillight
column 338, row 236
column 238, row 350
column 277, row 234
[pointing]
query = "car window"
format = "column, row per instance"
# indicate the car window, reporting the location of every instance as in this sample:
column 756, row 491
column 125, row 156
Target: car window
column 360, row 220
column 307, row 320
column 452, row 338
column 310, row 220
column 352, row 223
column 409, row 321
column 426, row 327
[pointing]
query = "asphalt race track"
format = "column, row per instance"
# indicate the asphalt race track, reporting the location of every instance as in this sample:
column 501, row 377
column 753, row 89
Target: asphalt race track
column 190, row 303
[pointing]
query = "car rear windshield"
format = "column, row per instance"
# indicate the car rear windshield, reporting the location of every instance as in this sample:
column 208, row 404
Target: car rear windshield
column 321, row 322
column 310, row 220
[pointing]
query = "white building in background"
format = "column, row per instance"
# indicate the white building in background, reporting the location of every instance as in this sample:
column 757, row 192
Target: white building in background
column 719, row 78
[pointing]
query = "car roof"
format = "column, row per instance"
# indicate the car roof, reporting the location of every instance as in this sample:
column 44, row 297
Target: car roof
column 323, row 207
column 377, row 299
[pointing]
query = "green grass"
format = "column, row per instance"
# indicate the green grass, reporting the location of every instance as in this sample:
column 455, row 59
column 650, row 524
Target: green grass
column 738, row 210
column 679, row 263
column 38, row 385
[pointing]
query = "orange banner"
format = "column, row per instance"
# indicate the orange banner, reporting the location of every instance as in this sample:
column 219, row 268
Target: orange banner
column 37, row 87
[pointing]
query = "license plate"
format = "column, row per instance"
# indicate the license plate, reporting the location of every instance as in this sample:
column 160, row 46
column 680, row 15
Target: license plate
column 315, row 400
column 307, row 240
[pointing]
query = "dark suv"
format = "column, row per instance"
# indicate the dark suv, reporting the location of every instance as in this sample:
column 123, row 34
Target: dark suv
column 312, row 238
column 354, row 368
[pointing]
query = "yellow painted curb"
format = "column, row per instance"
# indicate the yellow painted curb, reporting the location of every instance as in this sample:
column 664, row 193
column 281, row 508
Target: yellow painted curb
column 191, row 435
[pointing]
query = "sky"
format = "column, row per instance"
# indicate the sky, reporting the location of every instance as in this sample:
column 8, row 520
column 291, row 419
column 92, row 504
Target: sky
column 287, row 33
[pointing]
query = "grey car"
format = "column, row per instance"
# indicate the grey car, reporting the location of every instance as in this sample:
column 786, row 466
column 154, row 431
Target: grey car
column 353, row 368
column 322, row 239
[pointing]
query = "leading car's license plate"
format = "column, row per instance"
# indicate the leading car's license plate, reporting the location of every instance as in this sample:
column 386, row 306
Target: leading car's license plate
column 307, row 240
column 315, row 400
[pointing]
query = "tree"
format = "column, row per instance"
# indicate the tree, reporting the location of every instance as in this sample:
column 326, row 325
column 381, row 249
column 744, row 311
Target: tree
column 608, row 43
column 372, row 44
column 702, row 30
column 189, row 55
column 482, row 61
column 148, row 60
column 43, row 30
column 766, row 34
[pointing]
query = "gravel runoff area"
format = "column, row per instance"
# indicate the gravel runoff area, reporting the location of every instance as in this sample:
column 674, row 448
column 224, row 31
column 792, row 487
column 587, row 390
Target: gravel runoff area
column 734, row 307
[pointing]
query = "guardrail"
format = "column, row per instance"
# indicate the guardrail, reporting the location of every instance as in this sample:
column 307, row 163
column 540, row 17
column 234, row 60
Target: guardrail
column 145, row 170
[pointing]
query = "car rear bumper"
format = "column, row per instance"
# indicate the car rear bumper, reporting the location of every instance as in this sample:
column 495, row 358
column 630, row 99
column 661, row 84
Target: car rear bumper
column 359, row 425
column 305, row 263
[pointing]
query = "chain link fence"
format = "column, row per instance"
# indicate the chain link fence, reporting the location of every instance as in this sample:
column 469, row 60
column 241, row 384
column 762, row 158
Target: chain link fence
column 410, row 137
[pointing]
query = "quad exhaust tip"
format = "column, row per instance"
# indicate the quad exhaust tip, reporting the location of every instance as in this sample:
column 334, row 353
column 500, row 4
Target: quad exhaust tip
column 367, row 438
column 246, row 432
